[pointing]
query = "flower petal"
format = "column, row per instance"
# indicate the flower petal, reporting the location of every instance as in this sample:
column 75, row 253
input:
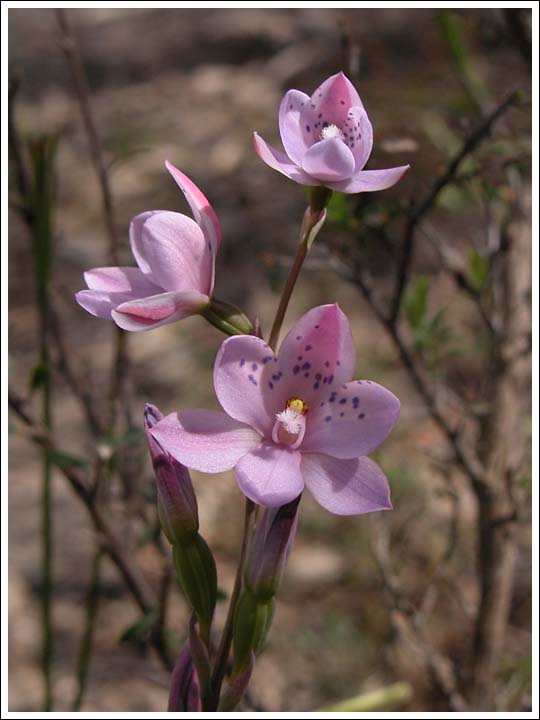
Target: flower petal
column 346, row 487
column 205, row 440
column 280, row 162
column 270, row 475
column 358, row 135
column 203, row 212
column 296, row 137
column 352, row 420
column 135, row 230
column 243, row 382
column 371, row 180
column 316, row 357
column 329, row 160
column 151, row 312
column 177, row 252
column 330, row 102
column 96, row 303
column 120, row 279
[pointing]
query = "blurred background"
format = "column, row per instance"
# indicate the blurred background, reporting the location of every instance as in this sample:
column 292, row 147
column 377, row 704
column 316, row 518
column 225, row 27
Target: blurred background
column 366, row 601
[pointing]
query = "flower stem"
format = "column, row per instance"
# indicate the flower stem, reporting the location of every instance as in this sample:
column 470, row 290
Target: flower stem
column 220, row 665
column 314, row 218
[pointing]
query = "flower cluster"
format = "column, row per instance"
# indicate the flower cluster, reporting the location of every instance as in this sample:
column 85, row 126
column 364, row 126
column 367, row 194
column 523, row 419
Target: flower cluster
column 291, row 417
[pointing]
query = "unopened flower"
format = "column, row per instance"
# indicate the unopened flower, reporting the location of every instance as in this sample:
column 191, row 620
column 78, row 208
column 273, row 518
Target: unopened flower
column 292, row 419
column 176, row 501
column 175, row 275
column 327, row 139
column 184, row 694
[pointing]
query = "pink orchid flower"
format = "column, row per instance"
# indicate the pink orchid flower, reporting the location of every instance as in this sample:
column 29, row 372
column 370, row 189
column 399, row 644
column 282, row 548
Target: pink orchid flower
column 175, row 274
column 291, row 419
column 327, row 139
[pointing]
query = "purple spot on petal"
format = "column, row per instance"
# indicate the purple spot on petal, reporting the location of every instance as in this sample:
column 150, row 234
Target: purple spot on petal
column 342, row 102
column 318, row 376
column 296, row 369
column 352, row 145
column 316, row 386
column 308, row 347
column 242, row 362
column 266, row 359
column 343, row 401
column 341, row 414
column 298, row 337
column 306, row 366
column 362, row 415
column 254, row 366
column 330, row 379
column 308, row 128
column 328, row 418
column 320, row 116
column 299, row 357
column 275, row 377
column 252, row 380
column 317, row 327
column 270, row 385
column 306, row 375
column 327, row 364
column 338, row 363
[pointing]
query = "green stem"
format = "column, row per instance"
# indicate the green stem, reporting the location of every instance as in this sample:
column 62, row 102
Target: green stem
column 47, row 547
column 311, row 224
column 386, row 698
column 301, row 254
column 220, row 664
column 85, row 649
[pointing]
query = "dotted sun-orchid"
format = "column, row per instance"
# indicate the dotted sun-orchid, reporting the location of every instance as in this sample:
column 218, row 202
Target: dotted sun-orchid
column 291, row 419
column 175, row 275
column 328, row 140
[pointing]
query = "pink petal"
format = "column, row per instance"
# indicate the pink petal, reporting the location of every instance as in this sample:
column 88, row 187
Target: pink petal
column 330, row 102
column 243, row 382
column 177, row 252
column 358, row 135
column 346, row 487
column 96, row 303
column 316, row 357
column 295, row 136
column 120, row 279
column 329, row 160
column 205, row 440
column 203, row 212
column 351, row 420
column 135, row 230
column 270, row 475
column 280, row 162
column 151, row 312
column 371, row 180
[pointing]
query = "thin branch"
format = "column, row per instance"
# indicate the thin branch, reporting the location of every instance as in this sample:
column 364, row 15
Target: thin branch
column 112, row 545
column 408, row 624
column 71, row 50
column 470, row 144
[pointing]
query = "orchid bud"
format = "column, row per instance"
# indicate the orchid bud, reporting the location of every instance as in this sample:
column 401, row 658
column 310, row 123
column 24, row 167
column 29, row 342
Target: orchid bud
column 227, row 318
column 270, row 549
column 176, row 501
column 184, row 695
column 252, row 621
column 196, row 572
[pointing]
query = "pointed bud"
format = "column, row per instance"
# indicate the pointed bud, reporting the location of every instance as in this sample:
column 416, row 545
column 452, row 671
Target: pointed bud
column 184, row 695
column 227, row 318
column 252, row 621
column 270, row 549
column 176, row 501
column 196, row 572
